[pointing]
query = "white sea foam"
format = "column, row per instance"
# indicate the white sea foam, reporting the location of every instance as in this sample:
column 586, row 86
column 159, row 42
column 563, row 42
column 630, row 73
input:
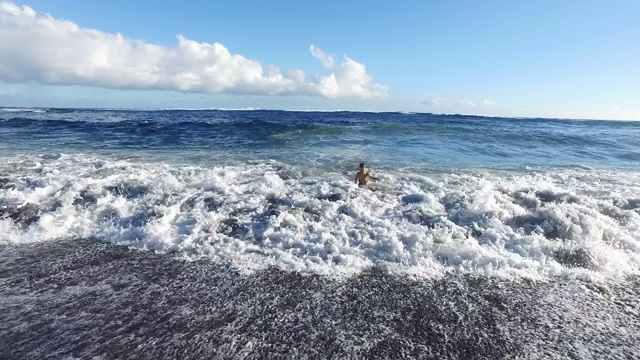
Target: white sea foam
column 534, row 223
column 23, row 110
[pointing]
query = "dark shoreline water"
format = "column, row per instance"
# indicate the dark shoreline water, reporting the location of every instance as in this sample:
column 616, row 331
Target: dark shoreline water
column 84, row 299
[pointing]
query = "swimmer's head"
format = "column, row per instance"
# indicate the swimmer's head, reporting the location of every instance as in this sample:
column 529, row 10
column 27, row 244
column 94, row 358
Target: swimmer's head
column 361, row 165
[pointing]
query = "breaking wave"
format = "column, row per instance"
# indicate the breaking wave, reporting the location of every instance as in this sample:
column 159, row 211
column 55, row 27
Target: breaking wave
column 531, row 223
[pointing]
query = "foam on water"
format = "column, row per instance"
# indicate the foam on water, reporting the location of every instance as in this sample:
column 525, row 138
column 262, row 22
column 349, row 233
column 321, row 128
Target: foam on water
column 15, row 110
column 533, row 223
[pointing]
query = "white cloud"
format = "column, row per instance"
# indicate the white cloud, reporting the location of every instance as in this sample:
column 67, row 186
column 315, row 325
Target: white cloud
column 349, row 79
column 443, row 102
column 618, row 113
column 463, row 103
column 326, row 59
column 436, row 101
column 37, row 47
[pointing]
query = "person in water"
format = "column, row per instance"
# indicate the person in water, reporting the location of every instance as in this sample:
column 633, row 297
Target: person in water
column 363, row 176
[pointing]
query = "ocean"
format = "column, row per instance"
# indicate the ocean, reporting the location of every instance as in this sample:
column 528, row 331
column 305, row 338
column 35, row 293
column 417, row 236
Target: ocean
column 241, row 234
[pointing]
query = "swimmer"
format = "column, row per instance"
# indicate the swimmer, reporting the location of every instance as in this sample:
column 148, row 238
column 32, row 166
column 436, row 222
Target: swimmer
column 363, row 176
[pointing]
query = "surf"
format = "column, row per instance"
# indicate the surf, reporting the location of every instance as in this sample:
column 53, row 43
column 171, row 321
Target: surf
column 529, row 224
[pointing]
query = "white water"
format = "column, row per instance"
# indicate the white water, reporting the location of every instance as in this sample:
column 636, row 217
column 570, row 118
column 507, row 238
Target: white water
column 533, row 224
column 23, row 110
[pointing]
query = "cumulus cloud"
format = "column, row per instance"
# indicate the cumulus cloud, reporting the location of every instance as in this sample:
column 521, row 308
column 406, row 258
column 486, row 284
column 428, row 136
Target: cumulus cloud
column 37, row 47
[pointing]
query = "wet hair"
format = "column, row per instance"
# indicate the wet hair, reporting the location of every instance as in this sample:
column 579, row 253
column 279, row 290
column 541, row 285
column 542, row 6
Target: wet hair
column 361, row 165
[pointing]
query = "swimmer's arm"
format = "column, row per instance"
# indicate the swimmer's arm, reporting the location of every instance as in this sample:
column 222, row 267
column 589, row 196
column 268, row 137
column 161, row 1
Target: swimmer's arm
column 374, row 177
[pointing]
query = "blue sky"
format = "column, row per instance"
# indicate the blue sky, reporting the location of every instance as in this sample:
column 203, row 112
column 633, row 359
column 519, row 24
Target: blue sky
column 567, row 59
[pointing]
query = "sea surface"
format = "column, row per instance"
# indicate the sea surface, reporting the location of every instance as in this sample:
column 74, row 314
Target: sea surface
column 241, row 234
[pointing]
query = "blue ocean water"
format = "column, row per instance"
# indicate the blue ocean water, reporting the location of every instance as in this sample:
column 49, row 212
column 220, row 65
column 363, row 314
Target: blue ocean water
column 519, row 197
column 484, row 237
column 329, row 139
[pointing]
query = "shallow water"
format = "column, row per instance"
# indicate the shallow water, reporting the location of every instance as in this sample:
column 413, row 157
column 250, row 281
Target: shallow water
column 81, row 299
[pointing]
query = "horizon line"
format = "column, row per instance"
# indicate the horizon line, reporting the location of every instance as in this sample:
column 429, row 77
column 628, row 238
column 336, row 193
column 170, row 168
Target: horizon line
column 27, row 108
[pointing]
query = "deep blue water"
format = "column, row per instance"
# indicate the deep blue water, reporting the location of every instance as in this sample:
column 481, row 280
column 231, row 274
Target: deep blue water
column 328, row 138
